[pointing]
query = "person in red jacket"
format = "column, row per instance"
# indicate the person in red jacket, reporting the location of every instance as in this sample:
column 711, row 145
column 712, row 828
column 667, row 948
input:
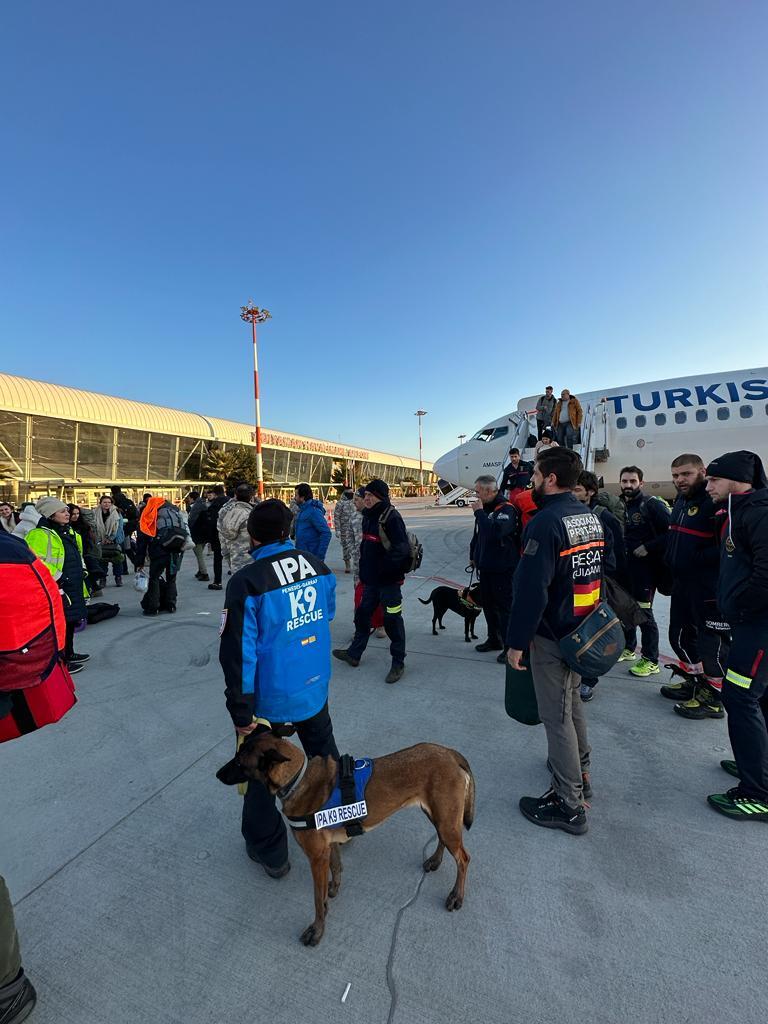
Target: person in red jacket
column 35, row 689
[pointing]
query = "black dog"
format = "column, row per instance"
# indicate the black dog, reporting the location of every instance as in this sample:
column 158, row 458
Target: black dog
column 465, row 603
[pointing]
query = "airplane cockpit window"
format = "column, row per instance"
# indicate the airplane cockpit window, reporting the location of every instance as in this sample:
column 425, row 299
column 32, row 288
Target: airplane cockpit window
column 723, row 414
column 681, row 417
column 486, row 434
column 499, row 432
column 745, row 411
column 660, row 419
column 702, row 415
column 621, row 422
column 640, row 421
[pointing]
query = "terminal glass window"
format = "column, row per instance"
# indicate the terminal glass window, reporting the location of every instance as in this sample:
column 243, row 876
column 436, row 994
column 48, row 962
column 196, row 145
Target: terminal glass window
column 53, row 448
column 745, row 411
column 723, row 414
column 162, row 451
column 702, row 415
column 190, row 465
column 13, row 429
column 681, row 417
column 94, row 452
column 640, row 421
column 132, row 454
column 660, row 419
column 621, row 422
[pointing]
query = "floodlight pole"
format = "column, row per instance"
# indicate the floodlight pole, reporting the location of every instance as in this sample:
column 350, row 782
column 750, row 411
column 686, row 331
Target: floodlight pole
column 421, row 413
column 253, row 315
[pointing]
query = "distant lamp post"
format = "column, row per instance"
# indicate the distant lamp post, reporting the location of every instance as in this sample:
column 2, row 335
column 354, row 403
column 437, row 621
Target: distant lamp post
column 253, row 315
column 461, row 438
column 421, row 413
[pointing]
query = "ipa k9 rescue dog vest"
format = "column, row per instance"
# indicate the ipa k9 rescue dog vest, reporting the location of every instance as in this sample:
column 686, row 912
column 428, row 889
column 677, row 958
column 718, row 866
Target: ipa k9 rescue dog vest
column 346, row 805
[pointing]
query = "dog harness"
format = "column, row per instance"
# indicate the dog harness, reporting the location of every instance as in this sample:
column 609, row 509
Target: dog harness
column 346, row 805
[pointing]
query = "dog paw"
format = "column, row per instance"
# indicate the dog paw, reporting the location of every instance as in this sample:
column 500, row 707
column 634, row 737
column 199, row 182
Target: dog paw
column 312, row 935
column 453, row 902
column 333, row 889
column 431, row 863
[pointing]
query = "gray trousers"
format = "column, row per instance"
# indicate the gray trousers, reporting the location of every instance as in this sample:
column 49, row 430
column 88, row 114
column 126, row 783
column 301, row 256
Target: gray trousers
column 562, row 712
column 202, row 568
column 10, row 960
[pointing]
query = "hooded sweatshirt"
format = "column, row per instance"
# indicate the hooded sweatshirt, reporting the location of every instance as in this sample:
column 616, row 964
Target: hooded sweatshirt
column 312, row 531
column 29, row 517
column 742, row 588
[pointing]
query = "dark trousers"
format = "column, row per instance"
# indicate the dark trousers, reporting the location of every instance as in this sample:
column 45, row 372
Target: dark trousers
column 390, row 597
column 168, row 564
column 567, row 435
column 540, row 425
column 10, row 959
column 217, row 559
column 745, row 696
column 496, row 595
column 69, row 641
column 695, row 632
column 263, row 827
column 642, row 589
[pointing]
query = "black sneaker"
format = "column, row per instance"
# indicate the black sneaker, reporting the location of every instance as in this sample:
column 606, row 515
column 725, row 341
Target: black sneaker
column 502, row 658
column 73, row 667
column 171, row 609
column 705, row 703
column 731, row 768
column 80, row 657
column 150, row 612
column 681, row 684
column 550, row 811
column 202, row 576
column 17, row 1000
column 734, row 804
column 118, row 581
column 280, row 872
column 215, row 586
column 395, row 673
column 344, row 655
column 488, row 646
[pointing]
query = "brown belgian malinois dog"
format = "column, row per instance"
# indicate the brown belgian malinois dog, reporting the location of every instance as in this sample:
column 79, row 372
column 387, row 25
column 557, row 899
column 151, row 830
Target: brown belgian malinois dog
column 435, row 778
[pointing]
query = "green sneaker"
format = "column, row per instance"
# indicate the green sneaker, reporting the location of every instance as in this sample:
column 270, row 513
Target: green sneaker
column 681, row 685
column 627, row 655
column 730, row 767
column 705, row 703
column 741, row 808
column 644, row 667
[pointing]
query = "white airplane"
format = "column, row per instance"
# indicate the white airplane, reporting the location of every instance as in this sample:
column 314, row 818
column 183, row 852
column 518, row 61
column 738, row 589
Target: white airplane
column 645, row 425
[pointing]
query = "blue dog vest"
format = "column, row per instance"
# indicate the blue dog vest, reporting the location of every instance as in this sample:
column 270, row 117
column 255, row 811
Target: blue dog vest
column 341, row 809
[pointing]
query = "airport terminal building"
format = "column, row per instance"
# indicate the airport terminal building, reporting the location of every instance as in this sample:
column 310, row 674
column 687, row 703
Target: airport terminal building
column 72, row 443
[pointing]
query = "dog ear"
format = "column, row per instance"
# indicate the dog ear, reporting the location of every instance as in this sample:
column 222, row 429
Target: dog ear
column 270, row 758
column 231, row 773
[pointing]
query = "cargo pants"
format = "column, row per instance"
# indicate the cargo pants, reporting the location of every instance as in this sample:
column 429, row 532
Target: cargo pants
column 565, row 721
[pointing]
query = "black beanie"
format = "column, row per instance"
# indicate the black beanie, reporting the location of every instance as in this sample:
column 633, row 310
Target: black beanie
column 743, row 467
column 379, row 488
column 269, row 521
column 360, row 492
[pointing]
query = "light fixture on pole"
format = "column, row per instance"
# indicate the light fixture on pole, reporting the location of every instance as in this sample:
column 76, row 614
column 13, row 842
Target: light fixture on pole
column 253, row 315
column 461, row 438
column 421, row 413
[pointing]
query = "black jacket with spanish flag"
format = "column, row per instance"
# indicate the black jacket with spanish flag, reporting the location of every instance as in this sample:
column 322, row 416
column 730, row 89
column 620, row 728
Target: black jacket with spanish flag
column 559, row 578
column 693, row 540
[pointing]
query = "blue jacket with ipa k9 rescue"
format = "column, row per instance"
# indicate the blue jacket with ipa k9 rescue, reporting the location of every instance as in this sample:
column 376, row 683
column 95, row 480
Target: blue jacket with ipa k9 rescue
column 276, row 636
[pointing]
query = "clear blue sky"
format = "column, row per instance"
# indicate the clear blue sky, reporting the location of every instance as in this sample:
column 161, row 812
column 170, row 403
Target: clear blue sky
column 443, row 204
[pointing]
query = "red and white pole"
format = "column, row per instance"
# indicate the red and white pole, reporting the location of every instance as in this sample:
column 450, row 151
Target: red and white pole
column 259, row 463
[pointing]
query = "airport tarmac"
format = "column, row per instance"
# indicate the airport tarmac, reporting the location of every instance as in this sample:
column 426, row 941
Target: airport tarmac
column 136, row 903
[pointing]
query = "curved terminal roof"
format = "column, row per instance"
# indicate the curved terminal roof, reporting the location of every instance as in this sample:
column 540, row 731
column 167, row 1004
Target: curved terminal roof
column 36, row 397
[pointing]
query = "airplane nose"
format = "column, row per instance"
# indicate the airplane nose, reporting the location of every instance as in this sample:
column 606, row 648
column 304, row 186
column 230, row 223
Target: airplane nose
column 447, row 466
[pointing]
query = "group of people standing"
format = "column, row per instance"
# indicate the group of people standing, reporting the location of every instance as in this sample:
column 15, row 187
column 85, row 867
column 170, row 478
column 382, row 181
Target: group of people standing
column 542, row 568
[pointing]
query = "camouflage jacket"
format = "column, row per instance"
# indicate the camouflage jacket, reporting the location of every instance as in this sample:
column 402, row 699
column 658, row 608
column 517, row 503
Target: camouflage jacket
column 233, row 533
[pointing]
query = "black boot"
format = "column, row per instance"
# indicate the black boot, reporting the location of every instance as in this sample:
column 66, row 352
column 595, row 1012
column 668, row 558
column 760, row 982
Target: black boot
column 17, row 1000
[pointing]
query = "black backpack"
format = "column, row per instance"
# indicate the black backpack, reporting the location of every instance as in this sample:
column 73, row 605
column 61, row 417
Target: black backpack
column 415, row 545
column 172, row 537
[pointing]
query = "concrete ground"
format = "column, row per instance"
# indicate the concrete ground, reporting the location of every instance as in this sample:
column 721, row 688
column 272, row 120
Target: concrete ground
column 136, row 903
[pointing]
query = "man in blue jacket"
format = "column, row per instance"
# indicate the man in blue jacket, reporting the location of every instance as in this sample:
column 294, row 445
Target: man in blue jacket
column 275, row 651
column 312, row 531
column 556, row 585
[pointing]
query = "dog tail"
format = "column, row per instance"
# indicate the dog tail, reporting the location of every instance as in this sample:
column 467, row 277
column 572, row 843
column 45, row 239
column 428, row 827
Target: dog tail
column 422, row 601
column 469, row 799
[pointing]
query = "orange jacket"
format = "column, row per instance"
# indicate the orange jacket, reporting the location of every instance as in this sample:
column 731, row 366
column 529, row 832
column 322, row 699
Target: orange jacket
column 575, row 412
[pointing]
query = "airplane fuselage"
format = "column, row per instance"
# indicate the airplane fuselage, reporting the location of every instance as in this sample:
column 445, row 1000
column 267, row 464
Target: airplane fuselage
column 647, row 425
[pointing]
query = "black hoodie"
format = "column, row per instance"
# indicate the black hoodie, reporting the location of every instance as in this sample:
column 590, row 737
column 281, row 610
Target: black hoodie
column 742, row 590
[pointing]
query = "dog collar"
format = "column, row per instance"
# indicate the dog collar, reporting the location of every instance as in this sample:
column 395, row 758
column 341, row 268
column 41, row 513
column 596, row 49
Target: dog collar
column 283, row 793
column 468, row 602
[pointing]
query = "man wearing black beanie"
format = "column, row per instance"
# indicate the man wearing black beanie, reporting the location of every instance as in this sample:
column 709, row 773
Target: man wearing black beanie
column 276, row 654
column 384, row 556
column 737, row 480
